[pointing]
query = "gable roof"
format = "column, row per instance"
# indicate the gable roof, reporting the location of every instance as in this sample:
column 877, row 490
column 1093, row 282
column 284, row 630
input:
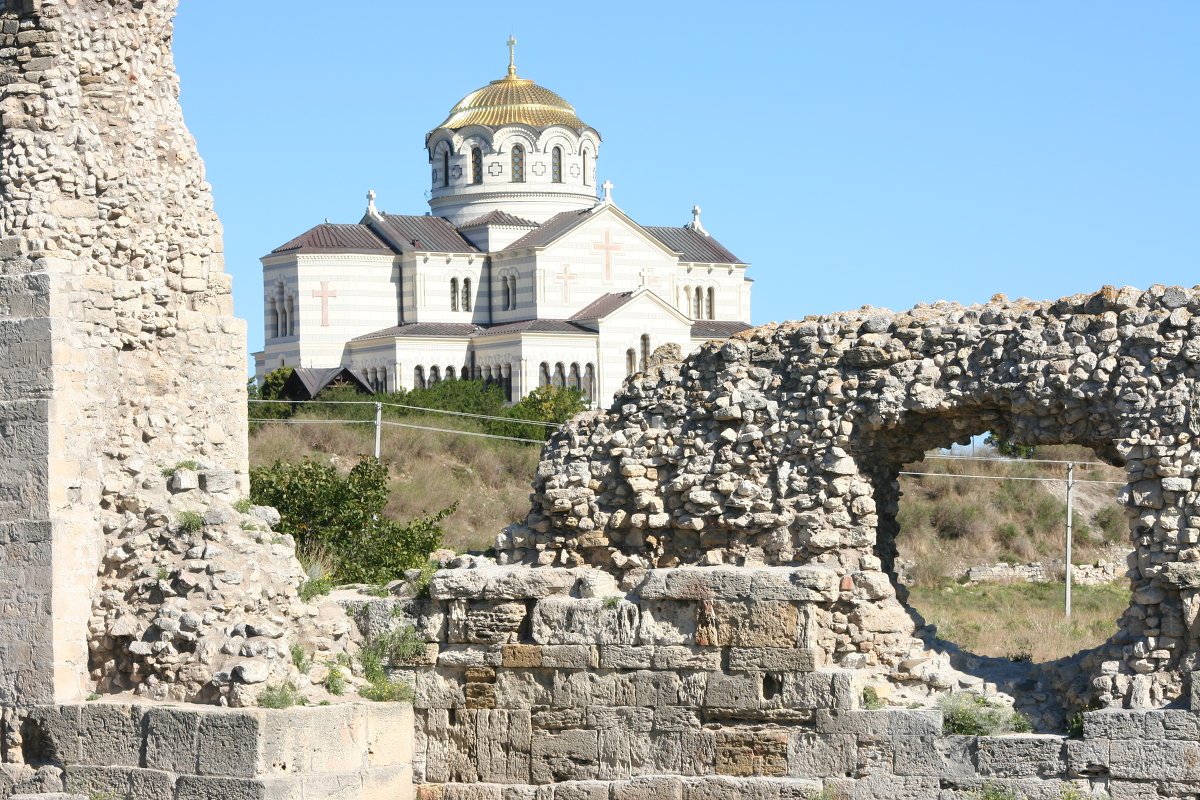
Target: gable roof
column 304, row 383
column 498, row 217
column 534, row 326
column 413, row 234
column 551, row 229
column 717, row 328
column 694, row 246
column 603, row 305
column 329, row 237
column 422, row 329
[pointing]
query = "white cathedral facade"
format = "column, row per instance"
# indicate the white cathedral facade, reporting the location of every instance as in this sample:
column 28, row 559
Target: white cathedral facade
column 518, row 273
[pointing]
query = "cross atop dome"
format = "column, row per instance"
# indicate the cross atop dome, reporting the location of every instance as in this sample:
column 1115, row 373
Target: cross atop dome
column 512, row 56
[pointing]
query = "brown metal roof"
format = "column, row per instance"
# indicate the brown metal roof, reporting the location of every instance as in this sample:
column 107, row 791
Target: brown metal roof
column 413, row 234
column 550, row 230
column 717, row 328
column 534, row 326
column 694, row 246
column 336, row 238
column 422, row 329
column 498, row 218
column 602, row 306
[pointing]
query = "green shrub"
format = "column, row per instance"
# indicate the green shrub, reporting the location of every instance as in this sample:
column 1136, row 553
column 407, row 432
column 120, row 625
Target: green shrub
column 396, row 647
column 335, row 682
column 992, row 791
column 190, row 521
column 243, row 506
column 343, row 516
column 1008, row 448
column 189, row 464
column 972, row 715
column 871, row 699
column 284, row 695
column 315, row 588
column 388, row 692
column 300, row 658
column 1111, row 520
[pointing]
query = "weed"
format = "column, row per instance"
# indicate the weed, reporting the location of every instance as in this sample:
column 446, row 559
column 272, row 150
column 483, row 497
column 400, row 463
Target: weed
column 285, row 695
column 376, row 590
column 335, row 682
column 243, row 506
column 1072, row 792
column 421, row 584
column 387, row 691
column 871, row 699
column 992, row 791
column 96, row 794
column 613, row 601
column 93, row 696
column 247, row 525
column 1075, row 726
column 343, row 659
column 169, row 472
column 315, row 588
column 972, row 715
column 300, row 659
column 1020, row 655
column 190, row 521
column 163, row 574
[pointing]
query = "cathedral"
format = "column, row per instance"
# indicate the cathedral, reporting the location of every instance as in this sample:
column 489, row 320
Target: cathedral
column 519, row 273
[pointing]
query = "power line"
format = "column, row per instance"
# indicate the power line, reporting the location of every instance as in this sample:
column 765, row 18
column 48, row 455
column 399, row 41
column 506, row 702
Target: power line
column 395, row 424
column 417, row 408
column 1006, row 478
column 1021, row 460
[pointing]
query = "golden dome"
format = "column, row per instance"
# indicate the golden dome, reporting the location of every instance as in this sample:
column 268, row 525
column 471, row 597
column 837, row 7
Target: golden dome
column 512, row 99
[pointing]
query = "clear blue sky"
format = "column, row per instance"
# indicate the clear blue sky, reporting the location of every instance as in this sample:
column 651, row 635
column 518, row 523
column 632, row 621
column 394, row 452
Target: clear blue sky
column 873, row 152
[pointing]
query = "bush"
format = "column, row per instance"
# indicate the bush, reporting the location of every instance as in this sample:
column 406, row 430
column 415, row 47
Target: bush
column 190, row 521
column 388, row 692
column 343, row 516
column 972, row 715
column 284, row 695
column 335, row 682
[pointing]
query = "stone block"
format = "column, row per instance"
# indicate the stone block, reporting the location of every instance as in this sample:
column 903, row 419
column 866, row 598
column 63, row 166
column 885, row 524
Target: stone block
column 1136, row 759
column 882, row 722
column 822, row 689
column 197, row 787
column 332, row 786
column 463, row 656
column 521, row 655
column 564, row 620
column 716, row 787
column 569, row 656
column 521, row 689
column 1020, row 756
column 389, row 734
column 770, row 623
column 110, row 735
column 99, row 781
column 388, row 783
column 626, row 656
column 472, row 792
column 171, row 739
column 813, row 755
column 682, row 657
column 580, row 790
column 339, row 737
column 696, row 583
column 488, row 622
column 151, row 784
column 624, row 752
column 686, row 752
column 501, row 583
column 935, row 755
column 794, row 584
column 1179, row 724
column 752, row 752
column 228, row 744
column 649, row 788
column 667, row 622
column 52, row 734
column 565, row 756
column 724, row 690
column 1115, row 724
column 1086, row 756
column 771, row 659
column 628, row 718
column 676, row 719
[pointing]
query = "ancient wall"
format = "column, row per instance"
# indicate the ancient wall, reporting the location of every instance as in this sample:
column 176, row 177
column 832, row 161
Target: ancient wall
column 121, row 361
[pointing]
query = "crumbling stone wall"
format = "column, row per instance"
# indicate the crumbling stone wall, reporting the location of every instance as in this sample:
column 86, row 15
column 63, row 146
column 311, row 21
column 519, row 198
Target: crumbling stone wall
column 121, row 360
column 783, row 445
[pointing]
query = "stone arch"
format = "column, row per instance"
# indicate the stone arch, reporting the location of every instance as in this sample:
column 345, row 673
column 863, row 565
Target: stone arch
column 852, row 396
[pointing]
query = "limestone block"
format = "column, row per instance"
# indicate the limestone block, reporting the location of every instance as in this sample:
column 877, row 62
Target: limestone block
column 821, row 689
column 465, row 656
column 192, row 787
column 882, row 722
column 770, row 623
column 624, row 656
column 471, row 792
column 771, row 659
column 580, row 790
column 218, row 480
column 812, row 755
column 1020, row 756
column 794, row 584
column 94, row 780
column 1087, row 756
column 184, row 480
column 681, row 657
column 388, row 783
column 440, row 688
column 522, row 689
column 696, row 583
column 521, row 656
column 56, row 733
column 572, row 755
column 488, row 622
column 171, row 739
column 667, row 622
column 685, row 752
column 1156, row 760
column 501, row 583
column 1116, row 724
column 569, row 656
column 752, row 752
column 339, row 739
column 649, row 788
column 587, row 621
column 676, row 719
column 336, row 786
column 389, row 734
column 715, row 787
column 110, row 735
column 624, row 752
column 935, row 755
column 228, row 744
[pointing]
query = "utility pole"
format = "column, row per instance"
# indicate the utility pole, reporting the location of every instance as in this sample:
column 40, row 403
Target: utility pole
column 379, row 437
column 1067, row 565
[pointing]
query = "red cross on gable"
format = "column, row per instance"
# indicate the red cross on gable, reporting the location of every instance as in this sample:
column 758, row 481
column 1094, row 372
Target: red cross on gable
column 325, row 293
column 566, row 278
column 608, row 247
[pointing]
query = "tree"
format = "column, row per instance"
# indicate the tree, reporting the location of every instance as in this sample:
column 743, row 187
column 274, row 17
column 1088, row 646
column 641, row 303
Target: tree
column 1008, row 448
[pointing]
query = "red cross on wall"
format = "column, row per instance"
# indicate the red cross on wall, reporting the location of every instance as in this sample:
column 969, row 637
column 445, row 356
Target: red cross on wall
column 566, row 278
column 325, row 293
column 608, row 247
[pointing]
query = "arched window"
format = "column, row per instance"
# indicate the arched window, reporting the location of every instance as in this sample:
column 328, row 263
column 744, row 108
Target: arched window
column 507, row 293
column 418, row 377
column 506, row 379
column 291, row 315
column 466, row 294
column 446, row 168
column 476, row 165
column 454, row 294
column 560, row 375
column 698, row 304
column 712, row 303
column 518, row 164
column 589, row 382
column 556, row 165
column 645, row 350
column 434, row 375
column 512, row 280
column 272, row 325
column 449, row 373
column 544, row 374
column 587, row 178
column 574, row 379
column 630, row 361
column 383, row 381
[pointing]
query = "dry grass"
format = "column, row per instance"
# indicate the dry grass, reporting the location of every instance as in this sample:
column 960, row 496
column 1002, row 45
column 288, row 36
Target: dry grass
column 1020, row 620
column 488, row 478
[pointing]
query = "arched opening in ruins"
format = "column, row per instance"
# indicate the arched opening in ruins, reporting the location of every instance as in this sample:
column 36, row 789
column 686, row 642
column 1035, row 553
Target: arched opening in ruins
column 973, row 533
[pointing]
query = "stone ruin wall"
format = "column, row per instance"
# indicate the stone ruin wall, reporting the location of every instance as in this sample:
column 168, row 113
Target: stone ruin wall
column 122, row 359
